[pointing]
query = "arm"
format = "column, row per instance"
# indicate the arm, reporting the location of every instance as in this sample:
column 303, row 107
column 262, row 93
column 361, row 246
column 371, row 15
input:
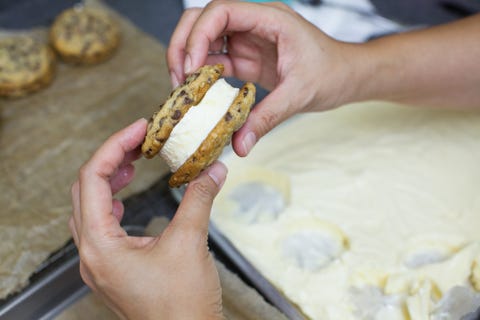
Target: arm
column 305, row 70
column 438, row 66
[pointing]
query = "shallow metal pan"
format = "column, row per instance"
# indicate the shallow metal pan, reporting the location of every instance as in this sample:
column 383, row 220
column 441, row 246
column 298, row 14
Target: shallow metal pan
column 246, row 269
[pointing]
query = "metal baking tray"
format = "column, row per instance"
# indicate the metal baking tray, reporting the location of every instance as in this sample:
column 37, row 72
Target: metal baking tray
column 247, row 271
column 55, row 285
column 262, row 285
column 256, row 279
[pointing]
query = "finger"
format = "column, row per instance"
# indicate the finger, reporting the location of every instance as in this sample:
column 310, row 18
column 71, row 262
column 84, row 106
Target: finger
column 216, row 20
column 122, row 178
column 224, row 59
column 217, row 46
column 131, row 156
column 95, row 175
column 73, row 231
column 176, row 47
column 271, row 111
column 118, row 209
column 86, row 276
column 75, row 193
column 194, row 211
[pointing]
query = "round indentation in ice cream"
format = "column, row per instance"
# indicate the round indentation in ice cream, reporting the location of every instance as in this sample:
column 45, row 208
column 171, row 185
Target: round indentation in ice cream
column 429, row 256
column 371, row 303
column 311, row 250
column 197, row 123
column 430, row 249
column 312, row 244
column 255, row 195
column 257, row 202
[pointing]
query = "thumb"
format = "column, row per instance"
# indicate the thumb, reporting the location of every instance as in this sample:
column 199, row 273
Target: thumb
column 193, row 214
column 266, row 115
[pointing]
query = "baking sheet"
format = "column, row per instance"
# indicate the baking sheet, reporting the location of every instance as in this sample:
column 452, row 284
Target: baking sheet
column 250, row 239
column 248, row 271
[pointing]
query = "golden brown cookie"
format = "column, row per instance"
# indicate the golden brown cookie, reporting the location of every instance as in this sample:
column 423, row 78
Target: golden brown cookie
column 217, row 139
column 188, row 94
column 26, row 65
column 83, row 35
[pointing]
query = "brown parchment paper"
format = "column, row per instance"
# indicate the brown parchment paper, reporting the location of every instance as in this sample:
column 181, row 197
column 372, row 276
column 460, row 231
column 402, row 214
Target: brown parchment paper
column 45, row 137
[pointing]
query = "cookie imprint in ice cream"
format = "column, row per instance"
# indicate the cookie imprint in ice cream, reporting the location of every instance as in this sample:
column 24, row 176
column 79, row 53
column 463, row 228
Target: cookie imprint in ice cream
column 197, row 123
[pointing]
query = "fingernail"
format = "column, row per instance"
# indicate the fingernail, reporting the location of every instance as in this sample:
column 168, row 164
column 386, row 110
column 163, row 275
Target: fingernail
column 249, row 141
column 138, row 122
column 187, row 64
column 218, row 173
column 174, row 79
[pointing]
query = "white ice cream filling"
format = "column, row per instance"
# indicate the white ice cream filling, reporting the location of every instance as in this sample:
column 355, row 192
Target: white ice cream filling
column 197, row 123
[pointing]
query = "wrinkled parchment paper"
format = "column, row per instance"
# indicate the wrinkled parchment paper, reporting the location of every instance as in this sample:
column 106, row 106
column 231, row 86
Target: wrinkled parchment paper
column 45, row 137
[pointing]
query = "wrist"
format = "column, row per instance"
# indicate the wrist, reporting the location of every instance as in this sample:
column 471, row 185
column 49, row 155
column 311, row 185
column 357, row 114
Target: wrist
column 350, row 77
column 360, row 81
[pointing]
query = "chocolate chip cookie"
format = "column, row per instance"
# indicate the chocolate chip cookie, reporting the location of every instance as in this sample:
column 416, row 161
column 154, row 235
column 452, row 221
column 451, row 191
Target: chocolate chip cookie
column 83, row 35
column 217, row 139
column 26, row 65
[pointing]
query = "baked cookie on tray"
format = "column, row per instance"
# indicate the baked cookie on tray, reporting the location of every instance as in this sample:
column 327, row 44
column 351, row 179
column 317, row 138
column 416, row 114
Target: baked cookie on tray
column 196, row 122
column 26, row 65
column 83, row 35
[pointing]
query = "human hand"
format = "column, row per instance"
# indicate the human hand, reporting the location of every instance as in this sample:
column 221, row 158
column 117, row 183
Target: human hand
column 268, row 44
column 172, row 276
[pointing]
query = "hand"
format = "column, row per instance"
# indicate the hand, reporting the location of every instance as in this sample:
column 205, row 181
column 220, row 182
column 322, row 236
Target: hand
column 268, row 44
column 172, row 276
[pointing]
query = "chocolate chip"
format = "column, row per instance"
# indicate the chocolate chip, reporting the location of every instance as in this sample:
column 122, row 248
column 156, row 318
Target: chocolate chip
column 160, row 122
column 193, row 76
column 245, row 92
column 228, row 116
column 85, row 47
column 176, row 115
column 187, row 100
column 182, row 93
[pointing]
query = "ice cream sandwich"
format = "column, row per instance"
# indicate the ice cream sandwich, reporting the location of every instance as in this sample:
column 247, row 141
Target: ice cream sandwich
column 196, row 122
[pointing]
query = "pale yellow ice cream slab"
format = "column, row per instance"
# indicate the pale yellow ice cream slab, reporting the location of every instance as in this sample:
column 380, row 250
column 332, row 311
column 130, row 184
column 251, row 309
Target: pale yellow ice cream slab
column 375, row 211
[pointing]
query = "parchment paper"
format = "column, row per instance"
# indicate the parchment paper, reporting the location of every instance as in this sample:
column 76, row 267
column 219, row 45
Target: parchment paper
column 45, row 137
